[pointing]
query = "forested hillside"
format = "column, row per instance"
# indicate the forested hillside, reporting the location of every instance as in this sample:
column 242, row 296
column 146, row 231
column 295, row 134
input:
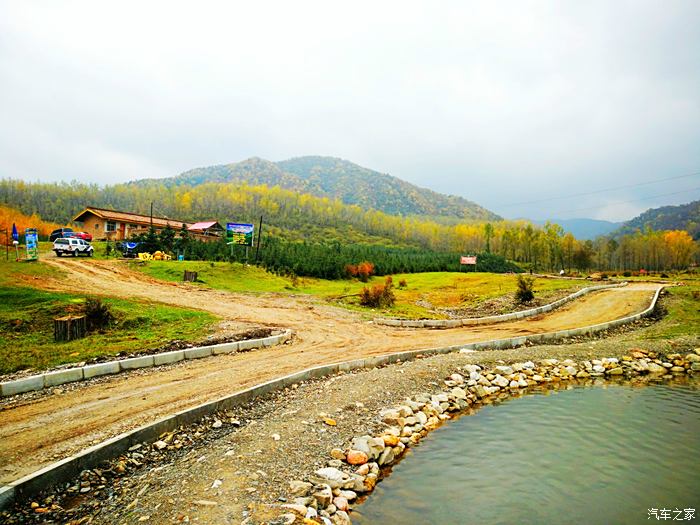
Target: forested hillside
column 297, row 217
column 336, row 179
column 684, row 217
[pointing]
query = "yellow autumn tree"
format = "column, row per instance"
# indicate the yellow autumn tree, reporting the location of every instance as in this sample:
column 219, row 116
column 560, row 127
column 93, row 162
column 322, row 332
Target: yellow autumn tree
column 680, row 248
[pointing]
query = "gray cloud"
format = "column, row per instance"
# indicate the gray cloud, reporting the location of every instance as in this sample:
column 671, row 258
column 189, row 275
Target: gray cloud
column 498, row 102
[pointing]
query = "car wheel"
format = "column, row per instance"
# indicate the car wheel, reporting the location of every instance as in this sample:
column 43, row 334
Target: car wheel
column 75, row 253
column 58, row 254
column 90, row 254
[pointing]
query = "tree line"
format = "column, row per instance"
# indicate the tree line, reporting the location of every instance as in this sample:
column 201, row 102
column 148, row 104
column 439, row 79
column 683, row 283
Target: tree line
column 316, row 259
column 307, row 220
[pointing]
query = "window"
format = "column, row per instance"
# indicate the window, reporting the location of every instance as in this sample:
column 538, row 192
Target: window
column 97, row 225
column 111, row 226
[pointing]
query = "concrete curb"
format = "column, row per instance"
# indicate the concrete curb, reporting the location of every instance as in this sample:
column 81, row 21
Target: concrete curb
column 69, row 375
column 492, row 319
column 69, row 468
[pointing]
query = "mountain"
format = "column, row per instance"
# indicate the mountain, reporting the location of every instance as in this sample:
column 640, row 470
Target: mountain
column 584, row 229
column 336, row 179
column 682, row 217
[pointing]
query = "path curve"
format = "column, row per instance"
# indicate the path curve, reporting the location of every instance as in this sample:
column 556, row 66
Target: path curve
column 35, row 433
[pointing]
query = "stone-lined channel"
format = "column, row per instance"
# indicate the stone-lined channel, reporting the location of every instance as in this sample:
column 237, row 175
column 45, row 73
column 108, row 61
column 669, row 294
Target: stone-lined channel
column 605, row 454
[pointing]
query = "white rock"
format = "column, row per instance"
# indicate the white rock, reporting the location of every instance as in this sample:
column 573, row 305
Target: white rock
column 501, row 381
column 331, row 476
column 458, row 378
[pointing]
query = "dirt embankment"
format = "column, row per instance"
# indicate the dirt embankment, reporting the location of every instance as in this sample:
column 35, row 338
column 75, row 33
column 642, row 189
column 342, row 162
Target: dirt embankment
column 36, row 432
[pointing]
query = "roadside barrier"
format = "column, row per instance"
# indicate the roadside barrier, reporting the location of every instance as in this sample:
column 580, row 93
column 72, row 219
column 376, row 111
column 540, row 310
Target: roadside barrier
column 492, row 319
column 69, row 468
column 70, row 375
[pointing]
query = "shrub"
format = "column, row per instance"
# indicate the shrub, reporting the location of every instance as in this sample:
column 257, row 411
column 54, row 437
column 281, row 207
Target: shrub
column 525, row 293
column 402, row 283
column 98, row 314
column 379, row 295
column 362, row 271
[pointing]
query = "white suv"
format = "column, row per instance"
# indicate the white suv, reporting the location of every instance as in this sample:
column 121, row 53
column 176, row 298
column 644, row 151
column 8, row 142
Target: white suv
column 72, row 246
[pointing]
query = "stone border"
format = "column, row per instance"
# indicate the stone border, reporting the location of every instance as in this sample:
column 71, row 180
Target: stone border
column 357, row 467
column 70, row 375
column 492, row 319
column 67, row 469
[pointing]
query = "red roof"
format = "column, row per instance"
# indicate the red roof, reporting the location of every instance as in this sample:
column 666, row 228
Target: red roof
column 203, row 225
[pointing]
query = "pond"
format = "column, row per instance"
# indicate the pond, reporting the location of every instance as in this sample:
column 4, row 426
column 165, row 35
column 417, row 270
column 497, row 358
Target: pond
column 603, row 454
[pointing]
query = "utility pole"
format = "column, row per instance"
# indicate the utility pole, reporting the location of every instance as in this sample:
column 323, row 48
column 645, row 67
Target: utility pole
column 151, row 214
column 257, row 249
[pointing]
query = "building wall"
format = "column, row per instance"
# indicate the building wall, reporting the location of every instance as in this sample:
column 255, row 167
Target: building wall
column 97, row 227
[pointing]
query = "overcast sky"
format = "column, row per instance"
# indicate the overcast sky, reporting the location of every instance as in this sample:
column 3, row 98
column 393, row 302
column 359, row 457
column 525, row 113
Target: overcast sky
column 500, row 102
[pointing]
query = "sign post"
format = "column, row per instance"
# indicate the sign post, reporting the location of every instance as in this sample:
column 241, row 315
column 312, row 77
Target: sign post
column 466, row 260
column 31, row 240
column 240, row 234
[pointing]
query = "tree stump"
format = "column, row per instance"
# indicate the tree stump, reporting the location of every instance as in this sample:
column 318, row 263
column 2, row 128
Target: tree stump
column 69, row 328
column 190, row 276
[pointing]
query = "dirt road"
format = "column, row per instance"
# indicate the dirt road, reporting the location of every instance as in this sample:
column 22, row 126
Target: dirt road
column 39, row 432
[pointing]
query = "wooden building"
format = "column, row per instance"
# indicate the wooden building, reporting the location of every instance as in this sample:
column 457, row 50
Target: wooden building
column 206, row 229
column 118, row 225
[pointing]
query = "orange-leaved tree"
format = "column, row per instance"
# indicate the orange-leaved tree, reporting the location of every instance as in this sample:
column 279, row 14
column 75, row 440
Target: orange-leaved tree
column 10, row 216
column 363, row 271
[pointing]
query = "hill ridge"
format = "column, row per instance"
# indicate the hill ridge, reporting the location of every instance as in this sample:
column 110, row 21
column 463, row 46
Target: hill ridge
column 678, row 217
column 334, row 177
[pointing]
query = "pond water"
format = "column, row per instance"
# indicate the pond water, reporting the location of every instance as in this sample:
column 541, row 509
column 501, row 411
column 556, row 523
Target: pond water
column 604, row 454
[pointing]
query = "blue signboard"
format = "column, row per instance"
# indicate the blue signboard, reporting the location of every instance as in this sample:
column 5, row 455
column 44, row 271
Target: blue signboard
column 241, row 234
column 31, row 239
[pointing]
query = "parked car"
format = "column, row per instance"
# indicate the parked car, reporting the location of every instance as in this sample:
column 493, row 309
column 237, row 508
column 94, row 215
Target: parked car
column 72, row 246
column 81, row 235
column 61, row 232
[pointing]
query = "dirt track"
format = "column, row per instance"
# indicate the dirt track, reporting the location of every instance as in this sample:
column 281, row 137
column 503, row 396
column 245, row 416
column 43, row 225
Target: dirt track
column 36, row 433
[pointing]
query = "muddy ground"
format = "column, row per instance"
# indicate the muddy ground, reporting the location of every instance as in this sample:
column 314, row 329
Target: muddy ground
column 38, row 430
column 238, row 473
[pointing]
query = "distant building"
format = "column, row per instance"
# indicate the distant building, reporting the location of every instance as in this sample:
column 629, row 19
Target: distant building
column 118, row 225
column 206, row 229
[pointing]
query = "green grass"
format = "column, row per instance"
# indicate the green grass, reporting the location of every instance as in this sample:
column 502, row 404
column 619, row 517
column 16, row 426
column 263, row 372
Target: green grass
column 440, row 289
column 26, row 322
column 682, row 317
column 17, row 273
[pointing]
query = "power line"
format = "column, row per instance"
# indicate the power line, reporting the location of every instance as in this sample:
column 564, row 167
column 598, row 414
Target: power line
column 600, row 191
column 631, row 201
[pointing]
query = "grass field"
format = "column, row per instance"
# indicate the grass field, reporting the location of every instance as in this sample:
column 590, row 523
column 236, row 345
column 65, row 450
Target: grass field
column 682, row 316
column 423, row 292
column 26, row 322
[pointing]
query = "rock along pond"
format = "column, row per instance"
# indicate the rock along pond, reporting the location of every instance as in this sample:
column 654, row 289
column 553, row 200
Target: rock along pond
column 603, row 454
